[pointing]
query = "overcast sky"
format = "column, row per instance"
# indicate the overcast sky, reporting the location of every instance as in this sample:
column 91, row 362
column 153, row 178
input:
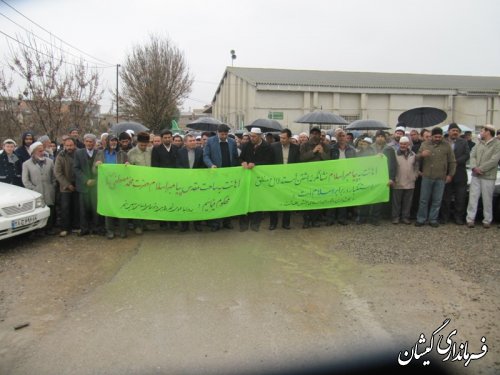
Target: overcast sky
column 423, row 36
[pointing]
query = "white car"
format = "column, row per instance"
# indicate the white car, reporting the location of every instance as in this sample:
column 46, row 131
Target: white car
column 21, row 210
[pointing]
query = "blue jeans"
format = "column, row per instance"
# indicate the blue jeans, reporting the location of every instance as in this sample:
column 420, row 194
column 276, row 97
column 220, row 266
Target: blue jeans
column 431, row 191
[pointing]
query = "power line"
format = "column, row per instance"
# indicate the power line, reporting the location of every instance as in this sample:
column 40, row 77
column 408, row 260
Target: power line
column 197, row 100
column 60, row 49
column 46, row 55
column 47, row 31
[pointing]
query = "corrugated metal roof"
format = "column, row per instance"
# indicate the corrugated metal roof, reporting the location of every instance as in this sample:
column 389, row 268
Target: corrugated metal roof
column 265, row 76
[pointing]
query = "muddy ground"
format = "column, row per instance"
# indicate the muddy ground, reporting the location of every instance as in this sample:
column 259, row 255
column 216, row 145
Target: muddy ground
column 389, row 282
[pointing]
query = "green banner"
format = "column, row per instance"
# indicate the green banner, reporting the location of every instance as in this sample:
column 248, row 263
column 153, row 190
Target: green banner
column 135, row 192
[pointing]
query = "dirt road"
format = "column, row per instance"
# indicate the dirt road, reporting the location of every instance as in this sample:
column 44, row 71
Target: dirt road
column 170, row 302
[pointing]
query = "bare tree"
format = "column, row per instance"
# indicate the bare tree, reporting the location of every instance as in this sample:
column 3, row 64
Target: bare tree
column 155, row 80
column 58, row 93
column 11, row 119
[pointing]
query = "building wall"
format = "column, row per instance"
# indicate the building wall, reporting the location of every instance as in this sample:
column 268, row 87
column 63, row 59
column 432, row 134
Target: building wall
column 239, row 103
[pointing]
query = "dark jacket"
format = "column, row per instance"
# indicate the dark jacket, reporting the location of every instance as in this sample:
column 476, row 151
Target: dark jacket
column 212, row 154
column 63, row 170
column 162, row 158
column 462, row 155
column 350, row 152
column 307, row 154
column 390, row 154
column 183, row 159
column 83, row 169
column 260, row 155
column 11, row 173
column 293, row 153
column 22, row 151
column 121, row 156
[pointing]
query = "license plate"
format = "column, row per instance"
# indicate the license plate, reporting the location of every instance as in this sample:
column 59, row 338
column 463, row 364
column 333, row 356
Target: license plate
column 24, row 221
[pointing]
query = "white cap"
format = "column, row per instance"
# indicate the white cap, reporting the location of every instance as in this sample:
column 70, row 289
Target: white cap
column 328, row 137
column 404, row 140
column 33, row 146
column 400, row 128
column 8, row 140
column 256, row 131
column 130, row 132
column 489, row 127
column 368, row 140
column 296, row 137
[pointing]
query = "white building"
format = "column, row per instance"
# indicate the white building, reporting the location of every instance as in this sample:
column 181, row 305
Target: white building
column 246, row 94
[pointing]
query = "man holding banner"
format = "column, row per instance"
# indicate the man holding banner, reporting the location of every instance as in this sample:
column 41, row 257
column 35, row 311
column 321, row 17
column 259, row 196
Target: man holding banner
column 220, row 151
column 164, row 156
column 140, row 155
column 190, row 157
column 256, row 152
column 284, row 153
column 313, row 150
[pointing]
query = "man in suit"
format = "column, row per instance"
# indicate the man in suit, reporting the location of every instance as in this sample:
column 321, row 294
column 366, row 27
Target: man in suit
column 310, row 151
column 190, row 156
column 340, row 150
column 457, row 188
column 220, row 151
column 86, row 185
column 164, row 156
column 284, row 152
column 256, row 152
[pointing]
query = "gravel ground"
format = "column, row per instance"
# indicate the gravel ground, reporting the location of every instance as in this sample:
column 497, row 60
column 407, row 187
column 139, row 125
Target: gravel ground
column 42, row 278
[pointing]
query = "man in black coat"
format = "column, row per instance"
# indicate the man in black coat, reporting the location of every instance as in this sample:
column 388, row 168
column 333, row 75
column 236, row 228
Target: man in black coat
column 457, row 188
column 284, row 153
column 10, row 164
column 190, row 157
column 256, row 152
column 27, row 139
column 164, row 156
column 86, row 185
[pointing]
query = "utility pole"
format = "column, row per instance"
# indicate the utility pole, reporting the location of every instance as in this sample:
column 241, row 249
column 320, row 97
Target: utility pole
column 117, row 96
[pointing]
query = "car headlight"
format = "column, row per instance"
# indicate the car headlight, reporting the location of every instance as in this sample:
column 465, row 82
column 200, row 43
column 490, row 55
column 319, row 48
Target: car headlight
column 39, row 202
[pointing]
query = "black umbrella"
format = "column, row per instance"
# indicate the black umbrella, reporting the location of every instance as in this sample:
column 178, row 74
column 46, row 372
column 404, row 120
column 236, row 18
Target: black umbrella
column 266, row 125
column 422, row 117
column 322, row 117
column 204, row 124
column 367, row 125
column 121, row 127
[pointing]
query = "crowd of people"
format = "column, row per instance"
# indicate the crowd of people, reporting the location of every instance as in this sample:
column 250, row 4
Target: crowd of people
column 427, row 173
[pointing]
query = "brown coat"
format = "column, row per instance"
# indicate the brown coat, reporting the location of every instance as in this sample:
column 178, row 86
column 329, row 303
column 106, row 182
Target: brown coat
column 440, row 163
column 64, row 172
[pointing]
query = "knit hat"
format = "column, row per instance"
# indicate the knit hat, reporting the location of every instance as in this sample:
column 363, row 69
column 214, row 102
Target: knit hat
column 11, row 141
